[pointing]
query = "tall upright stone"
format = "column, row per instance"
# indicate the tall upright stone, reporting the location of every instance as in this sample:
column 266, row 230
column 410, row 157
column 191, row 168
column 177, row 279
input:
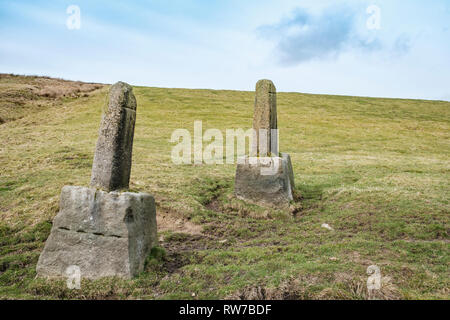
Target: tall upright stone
column 100, row 231
column 265, row 121
column 265, row 177
column 112, row 160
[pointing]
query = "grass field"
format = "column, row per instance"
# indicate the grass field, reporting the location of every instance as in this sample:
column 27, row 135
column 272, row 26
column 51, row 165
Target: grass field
column 376, row 170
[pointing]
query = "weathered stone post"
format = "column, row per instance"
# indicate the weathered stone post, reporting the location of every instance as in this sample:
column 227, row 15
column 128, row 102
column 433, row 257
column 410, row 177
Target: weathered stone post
column 112, row 161
column 265, row 123
column 266, row 177
column 100, row 231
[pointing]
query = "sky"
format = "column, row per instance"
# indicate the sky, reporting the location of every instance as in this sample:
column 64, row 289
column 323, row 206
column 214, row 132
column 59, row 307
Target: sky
column 377, row 48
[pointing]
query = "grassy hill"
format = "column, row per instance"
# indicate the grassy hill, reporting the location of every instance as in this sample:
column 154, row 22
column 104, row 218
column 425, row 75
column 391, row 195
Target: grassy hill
column 376, row 170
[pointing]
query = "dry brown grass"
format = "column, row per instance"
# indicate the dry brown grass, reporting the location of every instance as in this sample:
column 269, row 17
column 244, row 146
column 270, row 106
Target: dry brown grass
column 346, row 287
column 290, row 289
column 20, row 96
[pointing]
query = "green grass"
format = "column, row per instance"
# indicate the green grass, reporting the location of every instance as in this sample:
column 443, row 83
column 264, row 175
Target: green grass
column 376, row 170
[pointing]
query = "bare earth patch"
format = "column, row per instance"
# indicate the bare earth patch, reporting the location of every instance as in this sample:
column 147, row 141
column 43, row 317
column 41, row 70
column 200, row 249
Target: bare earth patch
column 175, row 222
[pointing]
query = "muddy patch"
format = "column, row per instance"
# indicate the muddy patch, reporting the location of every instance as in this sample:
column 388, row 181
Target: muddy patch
column 182, row 249
column 175, row 261
column 175, row 222
column 181, row 240
column 214, row 205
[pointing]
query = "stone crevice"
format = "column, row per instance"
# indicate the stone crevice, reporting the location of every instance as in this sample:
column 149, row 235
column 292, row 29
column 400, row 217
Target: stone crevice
column 99, row 234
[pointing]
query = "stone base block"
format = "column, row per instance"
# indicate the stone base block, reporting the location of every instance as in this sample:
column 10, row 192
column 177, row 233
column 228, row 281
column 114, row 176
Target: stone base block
column 265, row 181
column 103, row 234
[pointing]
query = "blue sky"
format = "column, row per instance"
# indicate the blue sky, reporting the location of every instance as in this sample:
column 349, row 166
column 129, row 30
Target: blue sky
column 309, row 46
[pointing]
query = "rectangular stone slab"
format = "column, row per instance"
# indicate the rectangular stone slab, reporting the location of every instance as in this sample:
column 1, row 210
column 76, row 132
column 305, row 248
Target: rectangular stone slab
column 104, row 234
column 265, row 181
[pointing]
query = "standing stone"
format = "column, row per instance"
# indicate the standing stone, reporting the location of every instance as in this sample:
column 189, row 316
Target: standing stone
column 102, row 233
column 266, row 177
column 112, row 161
column 265, row 120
